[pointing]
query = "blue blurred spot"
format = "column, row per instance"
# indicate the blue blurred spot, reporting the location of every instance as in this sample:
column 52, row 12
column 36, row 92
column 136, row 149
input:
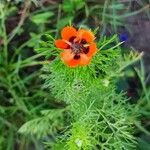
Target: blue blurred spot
column 123, row 37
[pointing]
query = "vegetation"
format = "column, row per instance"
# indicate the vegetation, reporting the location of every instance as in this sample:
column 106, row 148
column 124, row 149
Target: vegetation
column 44, row 104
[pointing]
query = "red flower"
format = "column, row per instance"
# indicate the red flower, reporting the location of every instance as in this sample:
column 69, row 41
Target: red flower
column 78, row 46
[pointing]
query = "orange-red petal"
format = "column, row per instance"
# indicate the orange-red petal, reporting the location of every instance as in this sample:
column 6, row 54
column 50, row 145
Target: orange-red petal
column 61, row 44
column 73, row 63
column 67, row 56
column 68, row 32
column 84, row 60
column 92, row 49
column 87, row 35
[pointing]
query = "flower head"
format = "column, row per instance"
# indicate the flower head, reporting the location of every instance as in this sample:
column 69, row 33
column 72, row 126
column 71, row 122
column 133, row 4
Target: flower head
column 78, row 46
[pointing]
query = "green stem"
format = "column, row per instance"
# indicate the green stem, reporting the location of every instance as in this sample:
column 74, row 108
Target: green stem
column 103, row 17
column 2, row 11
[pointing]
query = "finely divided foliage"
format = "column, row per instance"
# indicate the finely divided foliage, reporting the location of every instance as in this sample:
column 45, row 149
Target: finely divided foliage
column 99, row 117
column 63, row 108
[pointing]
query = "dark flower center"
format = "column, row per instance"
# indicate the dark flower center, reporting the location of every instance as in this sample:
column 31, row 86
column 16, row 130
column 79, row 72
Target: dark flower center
column 78, row 47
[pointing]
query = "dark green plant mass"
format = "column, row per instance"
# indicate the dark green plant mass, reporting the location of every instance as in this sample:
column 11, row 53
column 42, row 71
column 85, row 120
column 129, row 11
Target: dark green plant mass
column 45, row 104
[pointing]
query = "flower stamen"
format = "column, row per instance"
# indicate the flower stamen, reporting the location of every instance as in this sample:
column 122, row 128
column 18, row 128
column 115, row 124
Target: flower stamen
column 67, row 42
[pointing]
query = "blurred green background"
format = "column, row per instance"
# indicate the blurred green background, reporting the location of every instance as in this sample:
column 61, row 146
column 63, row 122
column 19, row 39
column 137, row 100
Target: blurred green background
column 24, row 22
